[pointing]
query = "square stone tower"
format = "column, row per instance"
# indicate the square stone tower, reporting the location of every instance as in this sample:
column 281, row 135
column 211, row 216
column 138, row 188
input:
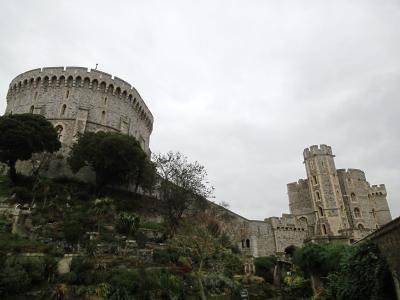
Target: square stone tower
column 324, row 190
column 336, row 202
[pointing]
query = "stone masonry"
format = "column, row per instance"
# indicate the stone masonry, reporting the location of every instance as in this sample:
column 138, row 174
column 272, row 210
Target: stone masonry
column 330, row 205
column 336, row 202
column 77, row 100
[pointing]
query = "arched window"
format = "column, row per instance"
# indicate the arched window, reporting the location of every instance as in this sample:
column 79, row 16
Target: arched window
column 63, row 108
column 324, row 229
column 321, row 211
column 70, row 81
column 45, row 83
column 303, row 220
column 247, row 243
column 110, row 89
column 103, row 117
column 357, row 213
column 78, row 81
column 318, row 195
column 95, row 84
column 86, row 82
column 31, row 109
column 103, row 86
column 60, row 130
column 353, row 197
column 53, row 81
column 360, row 226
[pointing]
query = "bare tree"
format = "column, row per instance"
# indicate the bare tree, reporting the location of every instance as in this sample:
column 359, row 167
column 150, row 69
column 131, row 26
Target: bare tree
column 183, row 185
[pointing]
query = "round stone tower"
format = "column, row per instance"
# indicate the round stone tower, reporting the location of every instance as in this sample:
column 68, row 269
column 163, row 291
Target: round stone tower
column 325, row 190
column 78, row 100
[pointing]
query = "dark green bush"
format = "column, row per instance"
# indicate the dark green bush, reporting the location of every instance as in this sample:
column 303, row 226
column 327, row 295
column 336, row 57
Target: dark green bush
column 69, row 278
column 126, row 280
column 165, row 256
column 141, row 239
column 83, row 268
column 265, row 267
column 5, row 226
column 23, row 194
column 363, row 274
column 13, row 279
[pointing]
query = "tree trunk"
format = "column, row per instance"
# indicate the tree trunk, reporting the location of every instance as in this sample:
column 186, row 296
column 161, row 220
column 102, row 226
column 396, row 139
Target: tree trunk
column 200, row 282
column 202, row 293
column 13, row 172
column 315, row 283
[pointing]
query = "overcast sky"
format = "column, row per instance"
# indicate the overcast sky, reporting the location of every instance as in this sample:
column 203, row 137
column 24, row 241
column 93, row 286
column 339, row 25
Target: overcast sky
column 240, row 86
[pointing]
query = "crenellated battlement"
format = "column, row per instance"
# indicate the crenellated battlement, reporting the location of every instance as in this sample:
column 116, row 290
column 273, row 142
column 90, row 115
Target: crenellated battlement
column 80, row 77
column 315, row 150
column 377, row 190
column 355, row 174
column 78, row 99
column 287, row 222
column 295, row 186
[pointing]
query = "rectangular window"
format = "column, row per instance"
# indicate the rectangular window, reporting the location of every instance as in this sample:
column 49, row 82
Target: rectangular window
column 315, row 180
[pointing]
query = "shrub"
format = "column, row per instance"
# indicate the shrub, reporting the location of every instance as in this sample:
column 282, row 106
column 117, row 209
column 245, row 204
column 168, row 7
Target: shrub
column 297, row 287
column 127, row 223
column 126, row 280
column 35, row 268
column 141, row 239
column 165, row 256
column 265, row 267
column 171, row 284
column 233, row 265
column 69, row 278
column 13, row 279
column 5, row 226
column 83, row 268
column 363, row 274
column 73, row 231
column 23, row 194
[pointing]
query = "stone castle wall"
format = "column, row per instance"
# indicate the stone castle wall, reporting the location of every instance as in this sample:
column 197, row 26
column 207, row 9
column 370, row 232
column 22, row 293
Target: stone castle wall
column 300, row 202
column 377, row 195
column 77, row 99
column 342, row 201
column 273, row 235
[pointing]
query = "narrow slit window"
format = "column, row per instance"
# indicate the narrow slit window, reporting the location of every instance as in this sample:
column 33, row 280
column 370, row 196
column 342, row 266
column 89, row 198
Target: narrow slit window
column 324, row 231
column 321, row 211
column 63, row 108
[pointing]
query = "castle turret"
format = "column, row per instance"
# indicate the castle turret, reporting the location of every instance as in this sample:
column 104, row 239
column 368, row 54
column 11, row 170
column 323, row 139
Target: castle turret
column 300, row 202
column 324, row 190
column 78, row 100
column 377, row 197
